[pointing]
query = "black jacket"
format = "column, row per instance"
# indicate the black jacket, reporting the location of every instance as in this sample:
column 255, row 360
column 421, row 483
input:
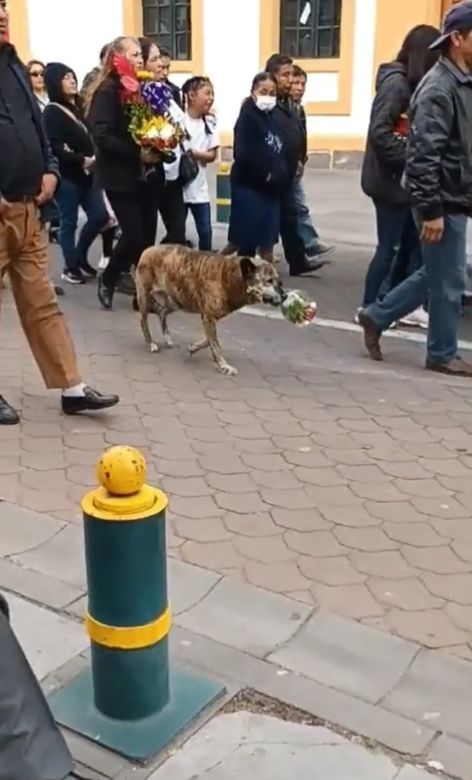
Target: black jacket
column 259, row 158
column 25, row 154
column 176, row 93
column 118, row 159
column 439, row 156
column 290, row 128
column 69, row 138
column 385, row 156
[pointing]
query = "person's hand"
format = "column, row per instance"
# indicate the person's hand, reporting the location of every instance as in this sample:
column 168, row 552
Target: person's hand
column 432, row 230
column 149, row 157
column 48, row 188
column 300, row 170
column 89, row 162
column 5, row 207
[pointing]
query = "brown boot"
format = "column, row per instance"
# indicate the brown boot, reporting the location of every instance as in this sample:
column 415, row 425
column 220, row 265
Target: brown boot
column 371, row 336
column 456, row 367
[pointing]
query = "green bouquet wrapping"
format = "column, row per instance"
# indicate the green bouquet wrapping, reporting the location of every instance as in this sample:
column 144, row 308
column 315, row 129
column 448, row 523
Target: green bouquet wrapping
column 297, row 309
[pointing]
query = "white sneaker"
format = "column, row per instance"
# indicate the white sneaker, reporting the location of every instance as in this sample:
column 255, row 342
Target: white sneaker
column 417, row 319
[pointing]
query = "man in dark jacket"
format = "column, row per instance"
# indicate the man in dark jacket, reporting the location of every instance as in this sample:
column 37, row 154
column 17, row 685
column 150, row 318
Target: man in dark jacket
column 166, row 63
column 28, row 180
column 438, row 178
column 291, row 131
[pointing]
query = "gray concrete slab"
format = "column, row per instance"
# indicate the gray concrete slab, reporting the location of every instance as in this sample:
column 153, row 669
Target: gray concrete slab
column 439, row 685
column 409, row 772
column 400, row 734
column 35, row 586
column 22, row 529
column 61, row 557
column 48, row 640
column 350, row 657
column 245, row 617
column 188, row 584
column 455, row 756
column 229, row 749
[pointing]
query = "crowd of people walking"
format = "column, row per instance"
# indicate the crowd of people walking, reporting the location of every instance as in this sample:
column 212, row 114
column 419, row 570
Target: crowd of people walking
column 66, row 148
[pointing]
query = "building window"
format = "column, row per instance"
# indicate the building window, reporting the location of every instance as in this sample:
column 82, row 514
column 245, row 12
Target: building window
column 169, row 24
column 310, row 29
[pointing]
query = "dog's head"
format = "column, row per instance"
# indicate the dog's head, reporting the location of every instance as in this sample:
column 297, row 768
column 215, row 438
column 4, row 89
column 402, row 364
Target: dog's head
column 263, row 284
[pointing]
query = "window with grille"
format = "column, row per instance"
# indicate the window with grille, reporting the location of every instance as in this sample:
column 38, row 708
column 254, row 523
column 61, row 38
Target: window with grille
column 168, row 23
column 310, row 30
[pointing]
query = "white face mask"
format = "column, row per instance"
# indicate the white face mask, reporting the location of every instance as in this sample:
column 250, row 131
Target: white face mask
column 266, row 103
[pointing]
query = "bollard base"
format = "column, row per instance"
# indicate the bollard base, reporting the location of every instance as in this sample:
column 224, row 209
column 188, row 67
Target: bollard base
column 73, row 707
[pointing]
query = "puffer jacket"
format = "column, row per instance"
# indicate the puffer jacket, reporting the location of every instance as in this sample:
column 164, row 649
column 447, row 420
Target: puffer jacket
column 385, row 155
column 438, row 170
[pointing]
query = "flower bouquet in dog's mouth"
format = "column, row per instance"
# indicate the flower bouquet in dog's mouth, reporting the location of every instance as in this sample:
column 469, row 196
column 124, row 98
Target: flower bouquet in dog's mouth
column 298, row 309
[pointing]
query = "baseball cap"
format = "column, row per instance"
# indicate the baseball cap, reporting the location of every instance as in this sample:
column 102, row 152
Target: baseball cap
column 458, row 18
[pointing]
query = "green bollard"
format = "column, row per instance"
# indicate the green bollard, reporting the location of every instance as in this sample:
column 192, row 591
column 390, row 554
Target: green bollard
column 223, row 193
column 130, row 701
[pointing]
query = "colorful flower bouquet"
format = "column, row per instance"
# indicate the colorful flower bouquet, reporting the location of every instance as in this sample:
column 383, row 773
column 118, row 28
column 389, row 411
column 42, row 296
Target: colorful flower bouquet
column 146, row 103
column 297, row 309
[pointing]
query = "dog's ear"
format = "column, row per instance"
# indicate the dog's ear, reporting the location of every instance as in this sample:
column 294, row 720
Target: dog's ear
column 248, row 267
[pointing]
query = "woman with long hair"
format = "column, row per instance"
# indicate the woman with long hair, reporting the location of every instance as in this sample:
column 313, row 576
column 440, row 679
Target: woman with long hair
column 120, row 163
column 384, row 164
column 73, row 146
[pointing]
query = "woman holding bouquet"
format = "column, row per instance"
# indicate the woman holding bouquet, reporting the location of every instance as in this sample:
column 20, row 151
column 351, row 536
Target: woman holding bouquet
column 384, row 163
column 119, row 163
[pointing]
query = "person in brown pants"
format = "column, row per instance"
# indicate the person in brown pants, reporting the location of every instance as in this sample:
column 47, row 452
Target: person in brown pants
column 28, row 180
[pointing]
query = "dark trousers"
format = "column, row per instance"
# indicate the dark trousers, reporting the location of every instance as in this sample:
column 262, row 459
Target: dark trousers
column 294, row 248
column 136, row 213
column 201, row 213
column 396, row 231
column 69, row 197
column 173, row 213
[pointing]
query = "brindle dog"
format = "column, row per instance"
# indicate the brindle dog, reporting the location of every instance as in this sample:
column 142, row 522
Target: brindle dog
column 169, row 278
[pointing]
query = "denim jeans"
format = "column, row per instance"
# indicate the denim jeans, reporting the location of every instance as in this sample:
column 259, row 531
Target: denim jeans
column 441, row 280
column 201, row 213
column 69, row 197
column 390, row 226
column 294, row 248
column 306, row 230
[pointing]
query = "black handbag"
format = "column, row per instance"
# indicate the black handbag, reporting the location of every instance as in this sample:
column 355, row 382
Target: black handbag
column 188, row 167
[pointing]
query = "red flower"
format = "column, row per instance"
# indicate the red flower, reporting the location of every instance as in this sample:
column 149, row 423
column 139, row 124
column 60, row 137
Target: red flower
column 126, row 72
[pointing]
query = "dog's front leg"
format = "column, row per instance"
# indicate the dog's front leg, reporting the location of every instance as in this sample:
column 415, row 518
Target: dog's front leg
column 202, row 344
column 211, row 334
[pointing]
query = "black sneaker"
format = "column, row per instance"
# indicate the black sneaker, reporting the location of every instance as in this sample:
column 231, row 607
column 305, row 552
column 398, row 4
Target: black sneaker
column 90, row 401
column 319, row 250
column 88, row 270
column 73, row 276
column 8, row 415
column 105, row 294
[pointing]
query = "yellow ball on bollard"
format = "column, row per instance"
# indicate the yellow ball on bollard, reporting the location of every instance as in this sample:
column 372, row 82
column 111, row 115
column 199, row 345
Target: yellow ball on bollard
column 122, row 471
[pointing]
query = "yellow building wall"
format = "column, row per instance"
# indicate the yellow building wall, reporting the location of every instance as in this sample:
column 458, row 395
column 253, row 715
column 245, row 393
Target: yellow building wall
column 19, row 28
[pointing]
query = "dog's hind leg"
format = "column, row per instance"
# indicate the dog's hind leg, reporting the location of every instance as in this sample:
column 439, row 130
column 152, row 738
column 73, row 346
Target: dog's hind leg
column 143, row 294
column 163, row 309
column 218, row 357
column 202, row 344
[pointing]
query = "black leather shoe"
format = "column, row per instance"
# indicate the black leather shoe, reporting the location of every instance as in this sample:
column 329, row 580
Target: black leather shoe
column 105, row 294
column 310, row 267
column 90, row 401
column 88, row 270
column 8, row 415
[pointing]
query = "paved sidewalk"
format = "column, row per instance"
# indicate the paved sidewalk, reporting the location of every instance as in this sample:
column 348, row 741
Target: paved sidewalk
column 408, row 704
column 315, row 473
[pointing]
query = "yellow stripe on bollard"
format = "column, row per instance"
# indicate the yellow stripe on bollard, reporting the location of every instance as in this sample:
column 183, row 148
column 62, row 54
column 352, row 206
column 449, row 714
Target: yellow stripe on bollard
column 129, row 638
column 223, row 201
column 101, row 505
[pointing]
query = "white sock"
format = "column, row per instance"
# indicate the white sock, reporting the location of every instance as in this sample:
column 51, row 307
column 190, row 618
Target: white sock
column 73, row 392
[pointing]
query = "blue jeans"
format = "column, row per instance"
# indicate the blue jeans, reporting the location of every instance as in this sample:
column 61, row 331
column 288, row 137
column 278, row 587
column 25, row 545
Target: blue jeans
column 69, row 197
column 441, row 280
column 390, row 227
column 305, row 228
column 201, row 213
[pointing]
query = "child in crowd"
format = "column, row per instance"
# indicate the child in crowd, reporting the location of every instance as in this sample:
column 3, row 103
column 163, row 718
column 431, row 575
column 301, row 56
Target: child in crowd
column 202, row 140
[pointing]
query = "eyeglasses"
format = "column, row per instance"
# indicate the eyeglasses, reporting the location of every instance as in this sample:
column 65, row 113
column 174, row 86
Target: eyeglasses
column 36, row 73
